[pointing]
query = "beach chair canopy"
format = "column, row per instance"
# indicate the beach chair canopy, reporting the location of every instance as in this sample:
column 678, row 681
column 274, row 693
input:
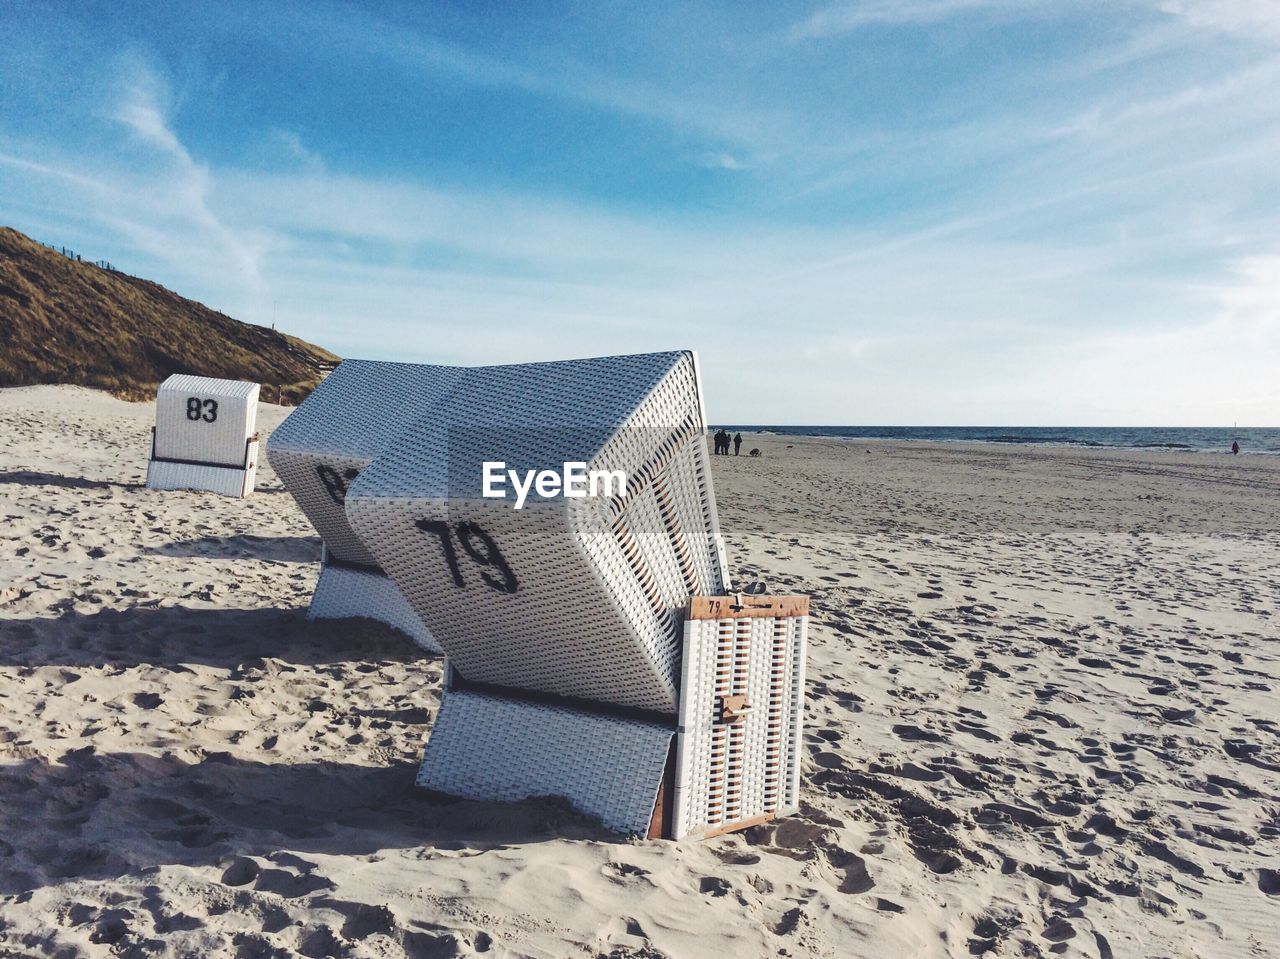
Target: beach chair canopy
column 579, row 598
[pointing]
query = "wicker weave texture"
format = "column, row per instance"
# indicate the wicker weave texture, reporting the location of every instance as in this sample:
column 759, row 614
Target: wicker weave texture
column 318, row 484
column 227, row 480
column 733, row 771
column 585, row 595
column 336, row 431
column 497, row 749
column 361, row 406
column 200, row 419
column 343, row 593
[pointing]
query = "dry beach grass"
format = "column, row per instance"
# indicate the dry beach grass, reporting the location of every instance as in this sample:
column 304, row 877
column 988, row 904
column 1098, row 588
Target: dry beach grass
column 1042, row 721
column 67, row 321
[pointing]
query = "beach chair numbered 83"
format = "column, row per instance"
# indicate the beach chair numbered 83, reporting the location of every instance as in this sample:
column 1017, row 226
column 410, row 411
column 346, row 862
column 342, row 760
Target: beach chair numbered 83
column 205, row 436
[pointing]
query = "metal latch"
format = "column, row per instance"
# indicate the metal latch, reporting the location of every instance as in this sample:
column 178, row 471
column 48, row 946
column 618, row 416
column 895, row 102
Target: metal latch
column 733, row 708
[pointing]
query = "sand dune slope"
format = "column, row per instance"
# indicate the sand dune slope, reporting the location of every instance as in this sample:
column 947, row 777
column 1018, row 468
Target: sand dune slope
column 1043, row 721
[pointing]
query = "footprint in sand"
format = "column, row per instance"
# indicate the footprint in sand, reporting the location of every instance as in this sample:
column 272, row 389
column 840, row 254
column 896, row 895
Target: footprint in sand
column 241, row 872
column 714, row 886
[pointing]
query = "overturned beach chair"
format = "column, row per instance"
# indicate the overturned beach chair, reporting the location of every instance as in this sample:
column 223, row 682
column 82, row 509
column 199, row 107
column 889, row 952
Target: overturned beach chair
column 318, row 452
column 205, row 436
column 592, row 652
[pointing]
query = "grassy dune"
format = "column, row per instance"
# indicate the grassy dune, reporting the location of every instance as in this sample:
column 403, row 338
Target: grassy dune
column 64, row 321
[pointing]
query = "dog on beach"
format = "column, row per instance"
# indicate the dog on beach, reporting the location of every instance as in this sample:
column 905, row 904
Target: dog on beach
column 755, row 452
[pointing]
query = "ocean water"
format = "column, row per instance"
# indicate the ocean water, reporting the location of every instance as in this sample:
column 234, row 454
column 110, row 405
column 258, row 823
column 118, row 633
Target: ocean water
column 1175, row 439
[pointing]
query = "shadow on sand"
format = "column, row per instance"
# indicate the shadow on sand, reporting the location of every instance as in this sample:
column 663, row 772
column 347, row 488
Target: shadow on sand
column 178, row 635
column 85, row 814
column 102, row 816
column 33, row 478
column 284, row 549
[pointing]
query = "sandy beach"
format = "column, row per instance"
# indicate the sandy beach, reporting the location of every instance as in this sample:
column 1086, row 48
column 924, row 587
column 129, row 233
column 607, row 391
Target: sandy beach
column 1043, row 720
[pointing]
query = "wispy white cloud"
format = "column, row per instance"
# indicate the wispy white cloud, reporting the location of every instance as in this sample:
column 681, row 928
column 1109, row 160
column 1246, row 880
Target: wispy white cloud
column 1214, row 370
column 1249, row 307
column 722, row 161
column 141, row 104
column 845, row 18
column 1237, row 93
column 45, row 170
column 1255, row 19
column 178, row 188
column 288, row 146
column 348, row 31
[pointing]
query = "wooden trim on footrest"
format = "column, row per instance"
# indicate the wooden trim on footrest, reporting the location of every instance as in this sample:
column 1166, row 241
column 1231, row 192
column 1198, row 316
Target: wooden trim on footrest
column 747, row 607
column 740, row 825
column 664, row 805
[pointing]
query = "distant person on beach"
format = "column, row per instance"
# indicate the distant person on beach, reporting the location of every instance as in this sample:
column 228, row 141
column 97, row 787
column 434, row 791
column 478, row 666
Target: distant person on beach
column 1235, row 448
column 720, row 438
column 737, row 443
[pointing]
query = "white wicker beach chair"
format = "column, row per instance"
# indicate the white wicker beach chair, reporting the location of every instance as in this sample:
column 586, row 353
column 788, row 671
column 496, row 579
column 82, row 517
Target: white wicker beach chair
column 320, row 449
column 563, row 621
column 205, row 436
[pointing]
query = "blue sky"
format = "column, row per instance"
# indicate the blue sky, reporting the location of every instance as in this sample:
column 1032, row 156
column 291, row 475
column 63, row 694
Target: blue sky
column 909, row 212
